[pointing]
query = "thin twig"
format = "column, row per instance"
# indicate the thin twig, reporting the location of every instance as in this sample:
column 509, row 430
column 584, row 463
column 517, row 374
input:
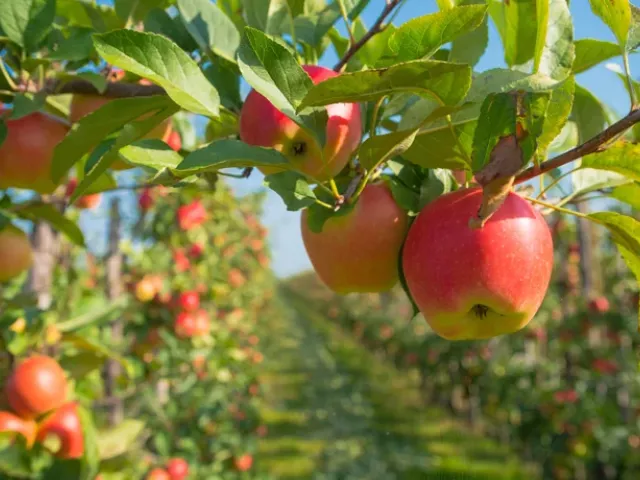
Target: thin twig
column 347, row 24
column 593, row 145
column 375, row 29
column 113, row 90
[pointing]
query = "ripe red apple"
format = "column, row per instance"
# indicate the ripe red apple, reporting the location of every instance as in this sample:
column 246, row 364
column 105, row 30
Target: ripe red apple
column 88, row 202
column 243, row 462
column 145, row 200
column 65, row 424
column 263, row 125
column 16, row 255
column 184, row 325
column 478, row 283
column 358, row 251
column 14, row 424
column 191, row 215
column 201, row 323
column 599, row 305
column 158, row 474
column 181, row 261
column 27, row 152
column 36, row 386
column 566, row 396
column 196, row 250
column 174, row 141
column 189, row 301
column 177, row 468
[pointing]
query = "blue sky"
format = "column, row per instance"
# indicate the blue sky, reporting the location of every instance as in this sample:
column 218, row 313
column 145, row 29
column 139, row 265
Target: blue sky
column 289, row 256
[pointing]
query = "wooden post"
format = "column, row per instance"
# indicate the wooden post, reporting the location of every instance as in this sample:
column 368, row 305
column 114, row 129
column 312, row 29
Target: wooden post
column 115, row 289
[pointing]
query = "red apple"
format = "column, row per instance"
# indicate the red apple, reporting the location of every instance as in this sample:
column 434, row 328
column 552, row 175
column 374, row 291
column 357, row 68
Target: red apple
column 145, row 200
column 185, row 325
column 158, row 474
column 478, row 283
column 201, row 323
column 16, row 255
column 36, row 386
column 358, row 251
column 243, row 462
column 196, row 250
column 189, row 301
column 65, row 424
column 14, row 424
column 566, row 396
column 191, row 215
column 263, row 125
column 177, row 468
column 236, row 278
column 181, row 261
column 88, row 202
column 27, row 152
column 599, row 305
column 174, row 141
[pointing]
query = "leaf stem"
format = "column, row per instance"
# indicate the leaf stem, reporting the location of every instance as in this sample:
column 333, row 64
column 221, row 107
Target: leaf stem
column 345, row 17
column 555, row 182
column 374, row 116
column 324, row 204
column 627, row 71
column 334, row 188
column 556, row 208
column 6, row 75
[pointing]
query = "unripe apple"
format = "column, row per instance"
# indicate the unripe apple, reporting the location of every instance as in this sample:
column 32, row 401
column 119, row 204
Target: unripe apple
column 263, row 125
column 36, row 386
column 27, row 152
column 178, row 468
column 158, row 474
column 16, row 255
column 358, row 251
column 65, row 424
column 14, row 424
column 88, row 202
column 477, row 283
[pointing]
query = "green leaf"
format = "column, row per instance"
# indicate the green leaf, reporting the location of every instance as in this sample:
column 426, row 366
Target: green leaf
column 586, row 180
column 273, row 71
column 270, row 16
column 229, row 154
column 129, row 134
column 225, row 78
column 212, row 30
column 616, row 14
column 92, row 128
column 497, row 120
column 621, row 158
column 312, row 27
column 373, row 50
column 470, row 47
column 629, row 193
column 83, row 13
column 500, row 80
column 25, row 104
column 158, row 59
column 535, row 107
column 95, row 315
column 90, row 345
column 224, row 126
column 98, row 81
column 633, row 38
column 90, row 462
column 443, row 146
column 78, row 46
column 445, row 82
column 120, row 439
column 43, row 211
column 590, row 52
column 158, row 21
column 437, row 182
column 151, row 153
column 27, row 22
column 516, row 22
column 588, row 114
column 81, row 364
column 376, row 150
column 293, row 188
column 554, row 50
column 557, row 113
column 625, row 232
column 421, row 37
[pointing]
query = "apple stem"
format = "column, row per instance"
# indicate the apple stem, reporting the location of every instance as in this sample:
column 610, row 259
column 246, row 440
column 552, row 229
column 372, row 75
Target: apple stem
column 324, row 204
column 334, row 189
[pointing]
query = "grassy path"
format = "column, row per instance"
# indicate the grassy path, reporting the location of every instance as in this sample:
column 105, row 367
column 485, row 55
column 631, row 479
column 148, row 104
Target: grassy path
column 338, row 412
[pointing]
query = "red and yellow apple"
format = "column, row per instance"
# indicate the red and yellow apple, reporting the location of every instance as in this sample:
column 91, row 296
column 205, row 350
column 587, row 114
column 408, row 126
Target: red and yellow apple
column 16, row 255
column 36, row 386
column 158, row 474
column 10, row 423
column 64, row 424
column 359, row 251
column 27, row 152
column 263, row 125
column 477, row 283
column 243, row 462
column 88, row 202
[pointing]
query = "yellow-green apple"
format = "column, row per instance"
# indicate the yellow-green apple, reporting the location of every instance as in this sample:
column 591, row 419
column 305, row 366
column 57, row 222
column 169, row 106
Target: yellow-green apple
column 477, row 283
column 65, row 424
column 16, row 255
column 263, row 125
column 10, row 423
column 27, row 152
column 358, row 251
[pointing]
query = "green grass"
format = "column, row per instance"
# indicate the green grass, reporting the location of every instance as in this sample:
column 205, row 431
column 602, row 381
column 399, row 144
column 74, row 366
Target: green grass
column 335, row 411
